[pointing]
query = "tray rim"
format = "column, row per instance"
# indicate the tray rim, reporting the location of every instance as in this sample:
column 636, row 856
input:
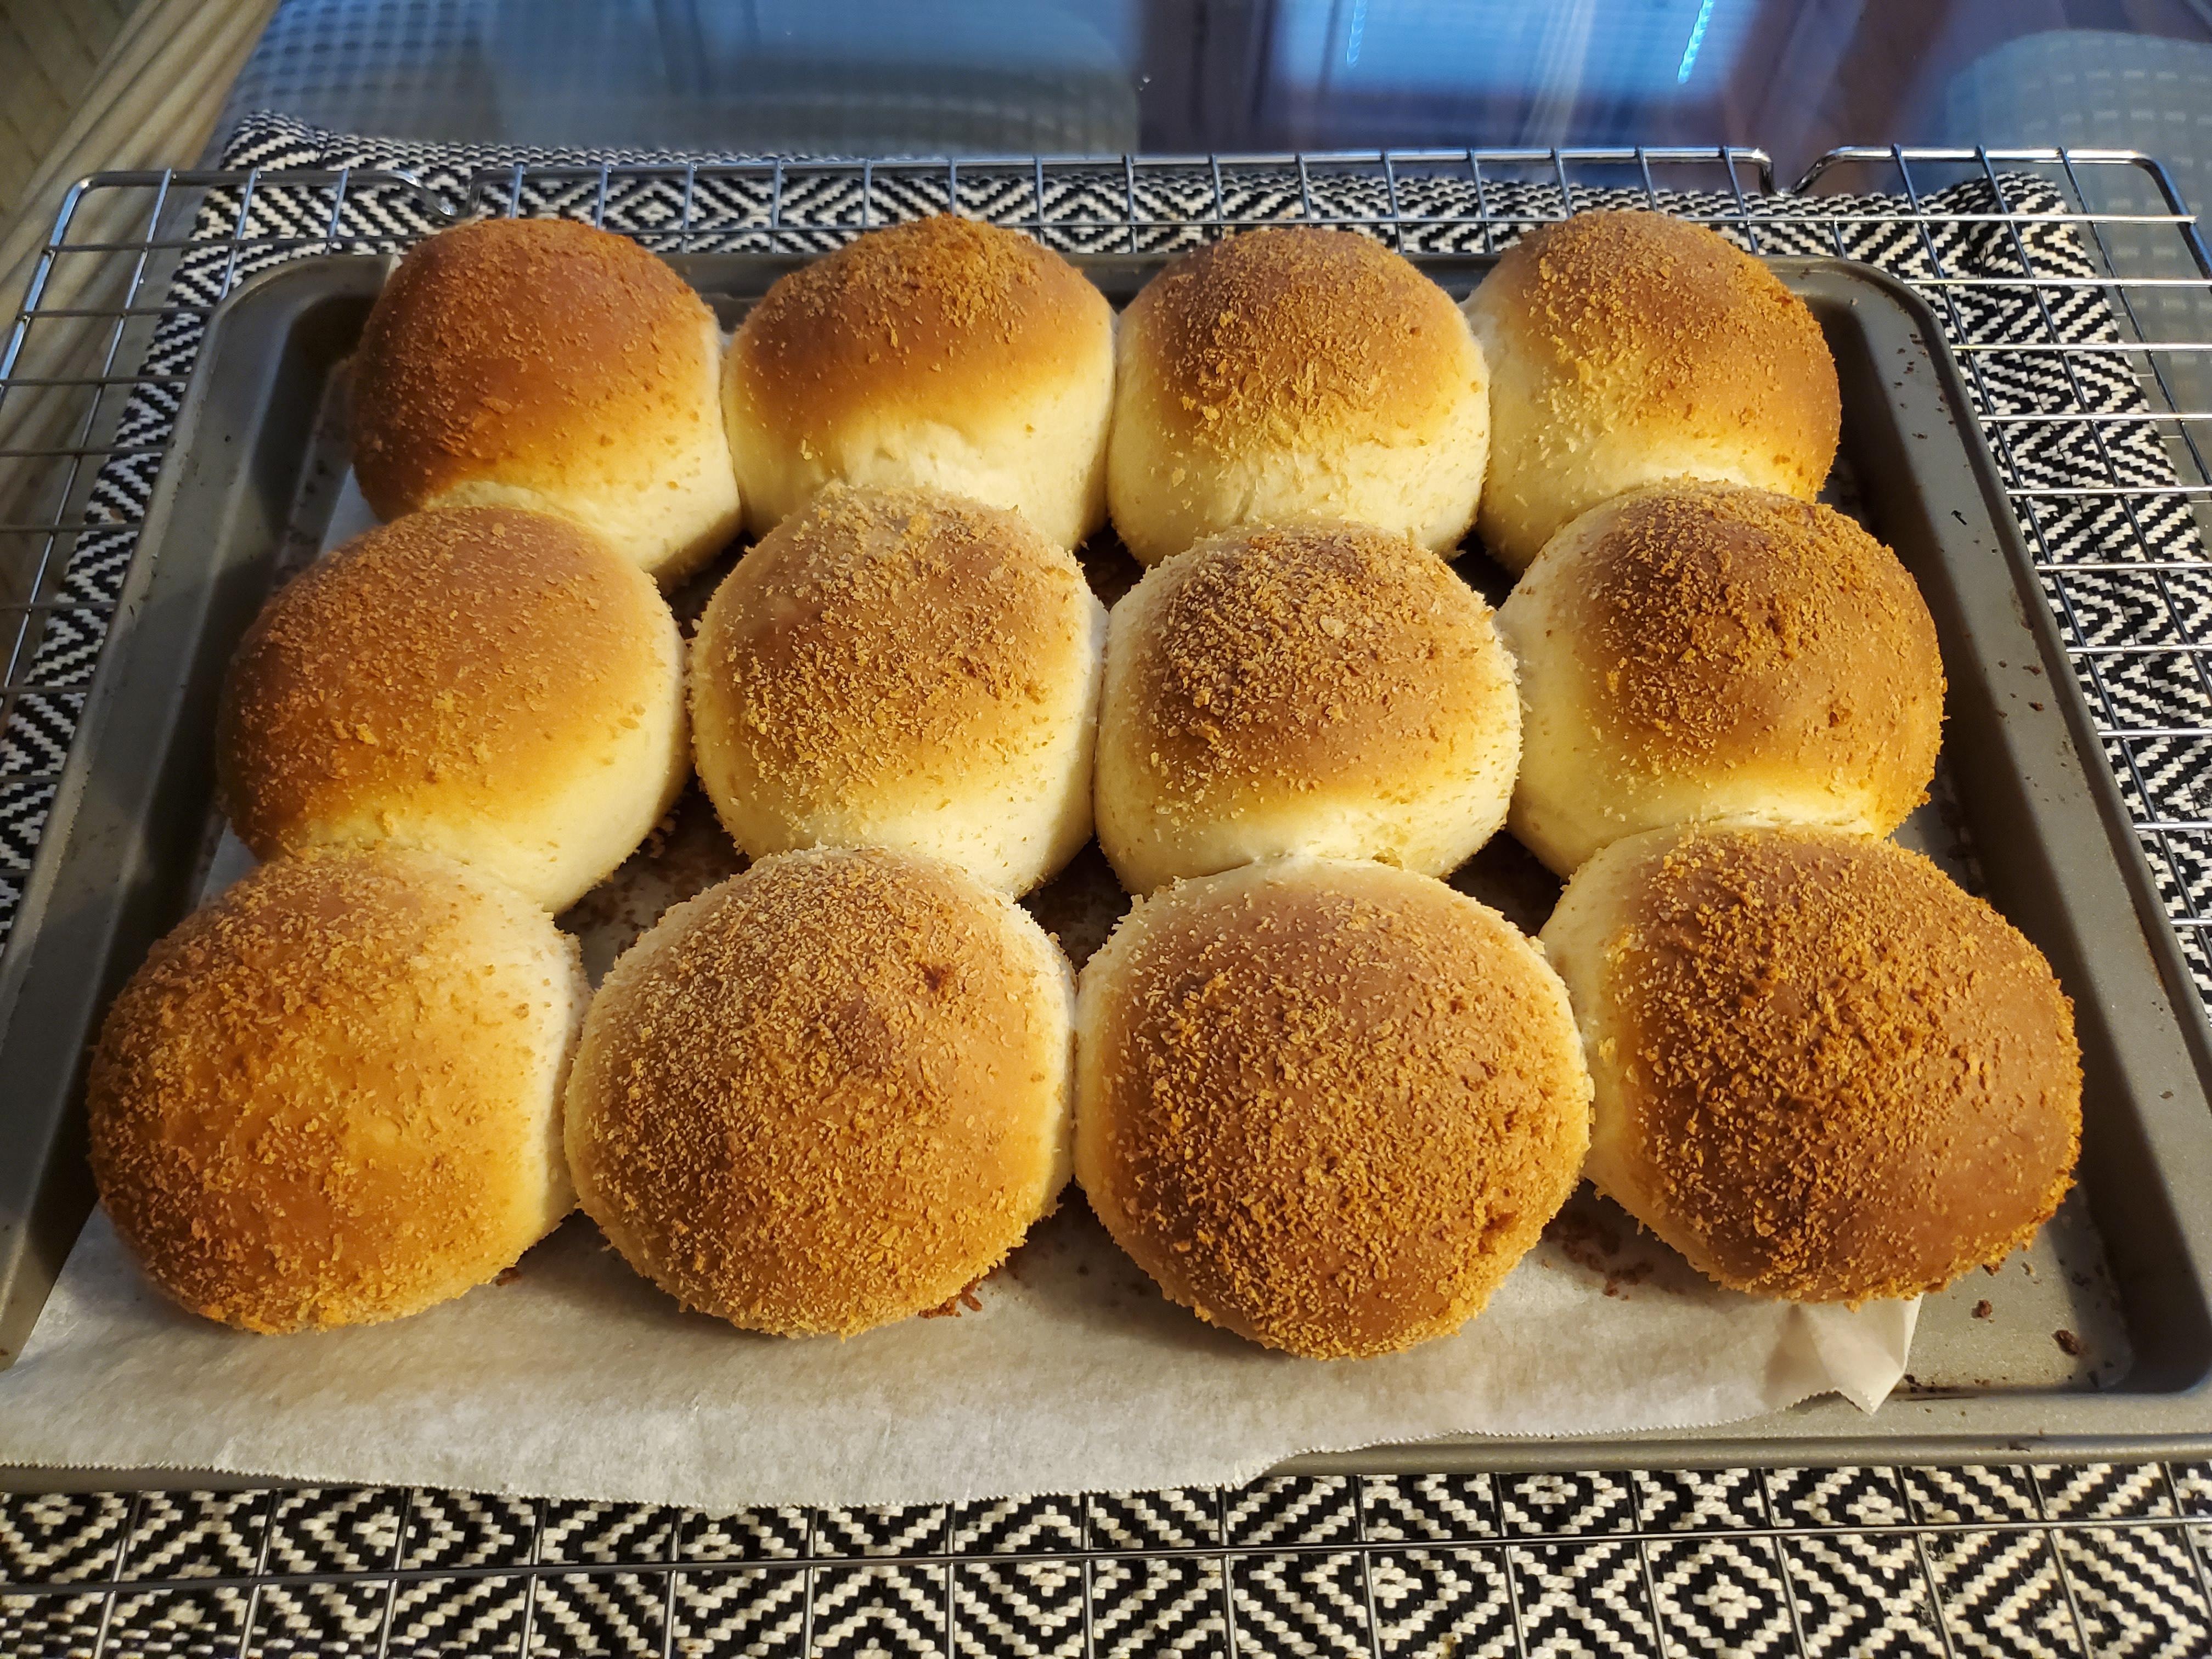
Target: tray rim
column 2127, row 1424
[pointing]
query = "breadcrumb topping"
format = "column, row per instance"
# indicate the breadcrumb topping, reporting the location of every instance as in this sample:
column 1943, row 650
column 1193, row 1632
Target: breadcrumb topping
column 1293, row 339
column 330, row 1097
column 825, row 1094
column 1843, row 1077
column 1332, row 1104
column 1309, row 657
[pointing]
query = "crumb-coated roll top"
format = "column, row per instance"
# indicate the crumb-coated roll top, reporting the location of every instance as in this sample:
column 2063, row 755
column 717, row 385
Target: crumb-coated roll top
column 827, row 1093
column 1715, row 616
column 1320, row 687
column 946, row 353
column 1626, row 347
column 493, row 684
column 1291, row 372
column 1699, row 651
column 1293, row 337
column 545, row 362
column 1823, row 1071
column 1326, row 1105
column 1287, row 657
column 331, row 1097
column 913, row 317
column 907, row 668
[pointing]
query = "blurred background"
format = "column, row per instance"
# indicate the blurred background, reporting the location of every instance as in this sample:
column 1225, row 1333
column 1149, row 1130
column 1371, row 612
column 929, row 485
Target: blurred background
column 87, row 85
column 907, row 76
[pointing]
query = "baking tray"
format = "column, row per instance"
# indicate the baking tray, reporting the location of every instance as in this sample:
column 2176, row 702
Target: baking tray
column 2104, row 1348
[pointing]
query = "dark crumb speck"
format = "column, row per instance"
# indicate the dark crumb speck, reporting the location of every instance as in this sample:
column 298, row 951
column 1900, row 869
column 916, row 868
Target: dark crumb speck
column 1983, row 1310
column 952, row 1307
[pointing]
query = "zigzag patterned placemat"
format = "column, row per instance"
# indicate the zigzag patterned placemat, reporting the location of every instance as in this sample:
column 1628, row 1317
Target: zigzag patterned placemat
column 2061, row 1560
column 2016, row 1560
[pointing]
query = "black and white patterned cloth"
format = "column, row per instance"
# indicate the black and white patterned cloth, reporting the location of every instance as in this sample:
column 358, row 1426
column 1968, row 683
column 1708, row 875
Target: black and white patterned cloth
column 2055, row 1560
column 1831, row 1564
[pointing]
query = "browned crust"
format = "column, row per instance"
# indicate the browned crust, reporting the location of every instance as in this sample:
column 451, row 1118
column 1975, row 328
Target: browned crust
column 1331, row 1108
column 819, row 1096
column 1844, row 1078
column 310, row 1106
column 1280, row 659
column 521, row 351
column 1717, row 624
column 471, row 656
column 876, row 626
column 1295, row 339
column 1660, row 320
column 913, row 320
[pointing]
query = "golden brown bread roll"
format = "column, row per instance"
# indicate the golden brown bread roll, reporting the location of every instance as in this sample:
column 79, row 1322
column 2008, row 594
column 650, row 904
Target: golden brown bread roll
column 828, row 1093
column 332, row 1096
column 1702, row 651
column 1290, row 373
column 1624, row 348
column 902, row 668
column 1326, row 1104
column 1316, row 688
column 496, row 685
column 1823, row 1072
column 542, row 363
column 942, row 354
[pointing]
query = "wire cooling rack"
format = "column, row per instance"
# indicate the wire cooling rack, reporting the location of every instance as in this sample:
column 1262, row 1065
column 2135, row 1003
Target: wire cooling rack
column 2077, row 292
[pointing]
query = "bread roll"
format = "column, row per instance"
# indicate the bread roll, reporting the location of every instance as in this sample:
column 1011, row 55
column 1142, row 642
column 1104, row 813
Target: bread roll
column 1823, row 1072
column 496, row 685
column 1292, row 374
column 1326, row 1105
column 332, row 1096
column 1627, row 347
column 1316, row 688
column 542, row 363
column 1705, row 651
column 902, row 668
column 827, row 1094
column 944, row 354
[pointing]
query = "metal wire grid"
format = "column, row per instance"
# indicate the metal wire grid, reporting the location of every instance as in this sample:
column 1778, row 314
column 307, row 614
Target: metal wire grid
column 1376, row 1564
column 74, row 357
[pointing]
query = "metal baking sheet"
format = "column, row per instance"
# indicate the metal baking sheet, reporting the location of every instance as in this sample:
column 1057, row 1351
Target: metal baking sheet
column 2097, row 1341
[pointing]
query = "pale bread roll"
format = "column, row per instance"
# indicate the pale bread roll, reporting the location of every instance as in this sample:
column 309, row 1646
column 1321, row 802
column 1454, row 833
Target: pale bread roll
column 1698, row 651
column 543, row 363
column 1626, row 347
column 902, row 668
column 1289, row 374
column 1315, row 688
column 496, row 685
column 943, row 353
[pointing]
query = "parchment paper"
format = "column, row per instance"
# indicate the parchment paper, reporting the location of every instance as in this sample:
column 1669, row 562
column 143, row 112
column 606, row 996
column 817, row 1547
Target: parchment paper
column 574, row 1378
